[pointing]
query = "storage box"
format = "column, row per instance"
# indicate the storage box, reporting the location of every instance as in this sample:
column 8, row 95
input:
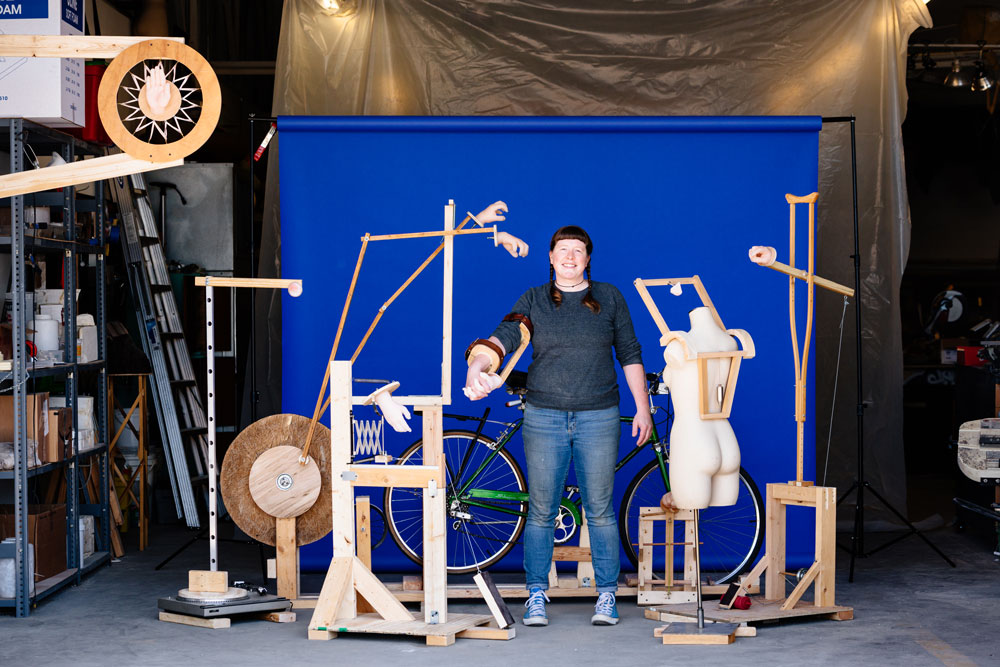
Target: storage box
column 46, row 530
column 36, row 421
column 60, row 421
column 47, row 90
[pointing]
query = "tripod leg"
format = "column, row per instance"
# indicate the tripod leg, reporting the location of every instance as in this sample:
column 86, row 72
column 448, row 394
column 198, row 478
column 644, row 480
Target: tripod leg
column 913, row 528
column 200, row 535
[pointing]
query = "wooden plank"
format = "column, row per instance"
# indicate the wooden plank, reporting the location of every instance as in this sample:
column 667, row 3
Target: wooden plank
column 341, row 491
column 762, row 610
column 338, row 579
column 412, row 583
column 287, row 559
column 794, row 492
column 645, row 570
column 363, row 542
column 440, row 640
column 278, row 616
column 207, row 581
column 435, row 562
column 584, row 567
column 824, row 594
column 69, row 46
column 294, row 287
column 774, row 543
column 272, row 569
column 76, row 173
column 570, row 553
column 399, row 476
column 696, row 636
column 378, row 596
column 216, row 623
column 801, row 587
column 489, row 632
column 447, row 301
column 447, row 234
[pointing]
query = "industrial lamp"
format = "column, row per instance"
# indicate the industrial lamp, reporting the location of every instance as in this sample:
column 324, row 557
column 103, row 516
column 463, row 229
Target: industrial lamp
column 981, row 80
column 958, row 77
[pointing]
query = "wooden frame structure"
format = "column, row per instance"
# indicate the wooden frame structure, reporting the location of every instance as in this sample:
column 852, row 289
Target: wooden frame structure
column 666, row 336
column 349, row 579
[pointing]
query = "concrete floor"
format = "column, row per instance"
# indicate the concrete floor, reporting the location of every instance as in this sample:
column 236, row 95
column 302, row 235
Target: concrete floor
column 910, row 608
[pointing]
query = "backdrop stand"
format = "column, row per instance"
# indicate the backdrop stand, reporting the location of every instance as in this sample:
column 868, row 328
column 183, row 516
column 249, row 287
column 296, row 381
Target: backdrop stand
column 860, row 484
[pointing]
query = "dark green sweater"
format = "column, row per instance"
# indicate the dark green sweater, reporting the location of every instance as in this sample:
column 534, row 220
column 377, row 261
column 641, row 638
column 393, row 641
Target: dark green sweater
column 571, row 362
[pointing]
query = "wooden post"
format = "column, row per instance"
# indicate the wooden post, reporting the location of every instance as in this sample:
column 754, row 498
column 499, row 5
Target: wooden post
column 287, row 557
column 435, row 555
column 363, row 541
column 447, row 299
column 826, row 545
column 340, row 488
column 774, row 587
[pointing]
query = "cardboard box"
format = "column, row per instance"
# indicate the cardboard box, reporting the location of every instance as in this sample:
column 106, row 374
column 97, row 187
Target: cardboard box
column 55, row 445
column 36, row 421
column 49, row 91
column 46, row 530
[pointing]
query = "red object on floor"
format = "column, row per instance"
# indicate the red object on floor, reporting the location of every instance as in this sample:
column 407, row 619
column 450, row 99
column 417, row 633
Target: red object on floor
column 742, row 602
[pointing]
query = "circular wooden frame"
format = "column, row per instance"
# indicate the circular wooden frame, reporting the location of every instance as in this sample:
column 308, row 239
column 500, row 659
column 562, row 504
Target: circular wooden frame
column 159, row 49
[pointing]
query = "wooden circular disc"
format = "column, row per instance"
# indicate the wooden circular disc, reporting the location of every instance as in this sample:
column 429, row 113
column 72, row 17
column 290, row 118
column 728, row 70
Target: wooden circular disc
column 191, row 133
column 281, row 485
column 234, row 480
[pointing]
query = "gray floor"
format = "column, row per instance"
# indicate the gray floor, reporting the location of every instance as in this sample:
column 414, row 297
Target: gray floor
column 910, row 608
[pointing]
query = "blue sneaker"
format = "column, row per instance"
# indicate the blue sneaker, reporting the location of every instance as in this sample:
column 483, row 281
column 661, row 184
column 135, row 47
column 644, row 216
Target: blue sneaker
column 535, row 615
column 605, row 611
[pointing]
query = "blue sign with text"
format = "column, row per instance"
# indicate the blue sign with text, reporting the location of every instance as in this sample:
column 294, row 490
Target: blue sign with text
column 24, row 9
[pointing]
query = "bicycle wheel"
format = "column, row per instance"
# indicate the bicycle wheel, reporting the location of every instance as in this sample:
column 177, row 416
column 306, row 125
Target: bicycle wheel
column 480, row 530
column 730, row 536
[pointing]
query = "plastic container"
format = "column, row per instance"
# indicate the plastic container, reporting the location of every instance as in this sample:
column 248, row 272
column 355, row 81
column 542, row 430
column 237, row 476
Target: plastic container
column 8, row 586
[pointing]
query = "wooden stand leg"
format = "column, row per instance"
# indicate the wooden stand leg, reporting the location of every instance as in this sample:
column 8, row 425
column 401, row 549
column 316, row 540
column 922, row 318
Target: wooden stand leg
column 287, row 558
column 435, row 563
column 774, row 585
column 585, row 568
column 826, row 544
column 362, row 517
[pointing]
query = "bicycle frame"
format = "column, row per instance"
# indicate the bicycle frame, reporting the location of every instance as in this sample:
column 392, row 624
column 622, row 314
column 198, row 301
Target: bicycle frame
column 476, row 497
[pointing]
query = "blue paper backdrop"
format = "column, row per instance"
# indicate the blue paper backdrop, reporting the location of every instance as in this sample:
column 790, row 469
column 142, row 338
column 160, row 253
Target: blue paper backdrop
column 661, row 198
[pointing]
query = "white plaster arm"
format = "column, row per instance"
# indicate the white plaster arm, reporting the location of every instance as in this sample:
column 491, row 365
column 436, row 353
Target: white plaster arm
column 395, row 413
column 492, row 213
column 515, row 246
column 690, row 349
column 764, row 255
column 746, row 342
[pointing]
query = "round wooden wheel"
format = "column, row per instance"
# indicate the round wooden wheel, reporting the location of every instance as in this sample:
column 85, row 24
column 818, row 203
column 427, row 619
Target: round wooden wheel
column 281, row 485
column 159, row 100
column 253, row 444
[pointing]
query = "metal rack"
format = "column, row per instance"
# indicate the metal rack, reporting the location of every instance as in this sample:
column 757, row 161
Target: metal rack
column 20, row 133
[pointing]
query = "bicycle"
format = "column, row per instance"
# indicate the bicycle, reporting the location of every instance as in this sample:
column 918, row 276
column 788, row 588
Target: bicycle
column 487, row 499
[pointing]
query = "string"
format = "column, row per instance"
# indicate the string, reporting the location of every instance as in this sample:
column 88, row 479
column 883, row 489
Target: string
column 833, row 400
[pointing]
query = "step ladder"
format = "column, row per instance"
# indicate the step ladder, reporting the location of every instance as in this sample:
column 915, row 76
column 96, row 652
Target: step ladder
column 180, row 411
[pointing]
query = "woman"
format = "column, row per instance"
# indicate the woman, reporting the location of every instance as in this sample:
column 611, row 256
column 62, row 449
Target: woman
column 572, row 409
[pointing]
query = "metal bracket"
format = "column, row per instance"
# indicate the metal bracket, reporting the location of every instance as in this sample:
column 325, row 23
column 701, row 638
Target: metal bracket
column 434, row 617
column 432, row 488
column 348, row 476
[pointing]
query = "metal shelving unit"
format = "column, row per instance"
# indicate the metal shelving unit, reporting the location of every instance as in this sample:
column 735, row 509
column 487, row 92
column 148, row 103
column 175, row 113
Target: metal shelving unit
column 19, row 244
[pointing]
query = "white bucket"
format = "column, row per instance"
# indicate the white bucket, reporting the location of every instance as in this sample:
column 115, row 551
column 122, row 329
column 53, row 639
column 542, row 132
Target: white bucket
column 46, row 333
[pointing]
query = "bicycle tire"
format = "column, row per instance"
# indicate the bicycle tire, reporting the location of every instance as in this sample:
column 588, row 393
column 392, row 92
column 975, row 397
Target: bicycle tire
column 471, row 544
column 730, row 537
column 378, row 526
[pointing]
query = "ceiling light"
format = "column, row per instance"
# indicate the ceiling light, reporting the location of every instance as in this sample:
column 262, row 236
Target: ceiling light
column 958, row 77
column 337, row 7
column 981, row 81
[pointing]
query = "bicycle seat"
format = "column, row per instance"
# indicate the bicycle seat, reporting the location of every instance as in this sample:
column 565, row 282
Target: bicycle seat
column 517, row 383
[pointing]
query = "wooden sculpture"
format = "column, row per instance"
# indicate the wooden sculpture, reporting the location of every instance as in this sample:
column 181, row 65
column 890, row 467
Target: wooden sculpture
column 159, row 101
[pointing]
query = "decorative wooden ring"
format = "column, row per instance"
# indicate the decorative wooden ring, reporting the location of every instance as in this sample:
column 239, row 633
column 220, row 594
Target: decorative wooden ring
column 115, row 82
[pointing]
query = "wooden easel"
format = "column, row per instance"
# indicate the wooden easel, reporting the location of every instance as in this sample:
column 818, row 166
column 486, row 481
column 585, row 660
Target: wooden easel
column 139, row 404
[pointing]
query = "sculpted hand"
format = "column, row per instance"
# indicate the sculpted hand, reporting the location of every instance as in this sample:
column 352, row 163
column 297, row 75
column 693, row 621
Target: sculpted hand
column 492, row 213
column 515, row 246
column 157, row 89
column 480, row 385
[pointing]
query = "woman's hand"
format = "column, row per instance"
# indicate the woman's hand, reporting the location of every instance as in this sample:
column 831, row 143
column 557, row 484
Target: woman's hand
column 478, row 384
column 642, row 426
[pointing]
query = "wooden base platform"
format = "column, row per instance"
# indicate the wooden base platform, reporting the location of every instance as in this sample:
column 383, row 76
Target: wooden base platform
column 691, row 634
column 760, row 611
column 221, row 622
column 466, row 626
column 462, row 591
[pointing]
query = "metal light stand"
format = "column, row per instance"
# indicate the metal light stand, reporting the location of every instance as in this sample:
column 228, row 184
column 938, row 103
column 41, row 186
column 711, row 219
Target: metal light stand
column 860, row 484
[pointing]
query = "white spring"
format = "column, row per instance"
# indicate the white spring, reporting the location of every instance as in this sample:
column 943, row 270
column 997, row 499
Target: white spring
column 369, row 437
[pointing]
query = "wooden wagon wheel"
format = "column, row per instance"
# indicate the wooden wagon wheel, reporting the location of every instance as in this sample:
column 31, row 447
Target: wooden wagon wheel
column 159, row 100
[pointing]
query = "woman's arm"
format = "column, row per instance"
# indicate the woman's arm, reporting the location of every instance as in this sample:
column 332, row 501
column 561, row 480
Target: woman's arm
column 642, row 425
column 478, row 387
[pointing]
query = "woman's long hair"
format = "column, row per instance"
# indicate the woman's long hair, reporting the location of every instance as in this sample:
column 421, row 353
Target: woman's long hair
column 572, row 233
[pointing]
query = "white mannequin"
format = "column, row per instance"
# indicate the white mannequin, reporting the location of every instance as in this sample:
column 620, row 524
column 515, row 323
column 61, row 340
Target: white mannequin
column 704, row 453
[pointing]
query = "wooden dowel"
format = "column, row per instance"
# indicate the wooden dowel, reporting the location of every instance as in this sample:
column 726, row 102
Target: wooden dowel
column 820, row 282
column 421, row 235
column 69, row 46
column 525, row 339
column 263, row 283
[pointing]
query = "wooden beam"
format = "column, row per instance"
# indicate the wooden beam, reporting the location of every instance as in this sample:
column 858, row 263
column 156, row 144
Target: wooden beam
column 69, row 46
column 335, row 587
column 75, row 173
column 216, row 623
column 207, row 581
column 294, row 287
column 435, row 556
column 287, row 557
column 374, row 474
column 378, row 596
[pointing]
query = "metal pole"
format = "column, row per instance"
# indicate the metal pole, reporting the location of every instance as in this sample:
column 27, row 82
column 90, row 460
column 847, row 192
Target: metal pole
column 697, row 573
column 213, row 503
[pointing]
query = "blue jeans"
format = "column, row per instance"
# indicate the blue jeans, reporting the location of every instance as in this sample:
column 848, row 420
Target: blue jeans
column 590, row 439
